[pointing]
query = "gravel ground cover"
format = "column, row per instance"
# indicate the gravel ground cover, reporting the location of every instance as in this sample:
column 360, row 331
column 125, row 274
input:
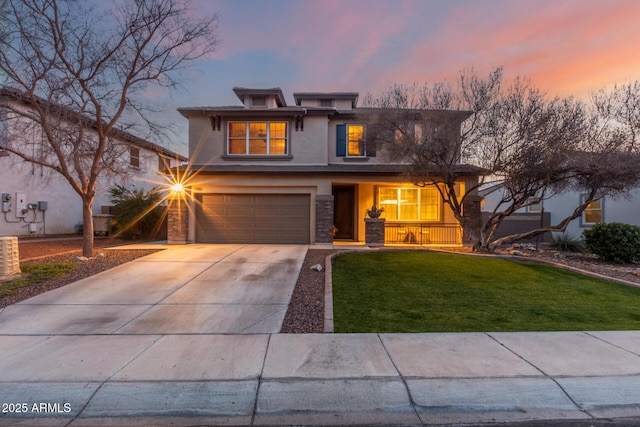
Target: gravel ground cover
column 584, row 261
column 36, row 248
column 305, row 314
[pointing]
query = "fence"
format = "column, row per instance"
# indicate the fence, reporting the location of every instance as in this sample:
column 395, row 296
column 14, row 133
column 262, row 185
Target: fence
column 423, row 234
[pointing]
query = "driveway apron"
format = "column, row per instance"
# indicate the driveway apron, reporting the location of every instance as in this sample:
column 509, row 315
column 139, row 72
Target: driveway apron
column 191, row 289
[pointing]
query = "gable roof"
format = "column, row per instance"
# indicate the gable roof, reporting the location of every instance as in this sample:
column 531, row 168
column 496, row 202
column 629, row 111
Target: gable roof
column 12, row 94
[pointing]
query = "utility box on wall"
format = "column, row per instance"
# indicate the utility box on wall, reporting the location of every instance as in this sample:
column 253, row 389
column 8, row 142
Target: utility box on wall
column 21, row 205
column 6, row 202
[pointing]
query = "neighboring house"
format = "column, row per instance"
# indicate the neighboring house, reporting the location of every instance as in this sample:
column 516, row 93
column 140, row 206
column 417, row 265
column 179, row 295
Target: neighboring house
column 268, row 172
column 39, row 201
column 554, row 209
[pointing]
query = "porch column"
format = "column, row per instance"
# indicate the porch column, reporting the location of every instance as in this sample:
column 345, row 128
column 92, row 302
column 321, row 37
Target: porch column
column 177, row 221
column 324, row 219
column 473, row 214
column 374, row 231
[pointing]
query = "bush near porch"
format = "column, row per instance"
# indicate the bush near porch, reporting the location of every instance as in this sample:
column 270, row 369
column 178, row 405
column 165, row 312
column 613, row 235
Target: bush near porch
column 387, row 291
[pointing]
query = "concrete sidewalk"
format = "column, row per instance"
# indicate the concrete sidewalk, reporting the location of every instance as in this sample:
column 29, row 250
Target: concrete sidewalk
column 324, row 379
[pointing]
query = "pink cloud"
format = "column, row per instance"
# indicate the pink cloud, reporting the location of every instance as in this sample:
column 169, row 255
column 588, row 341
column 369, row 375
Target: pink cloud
column 566, row 46
column 563, row 47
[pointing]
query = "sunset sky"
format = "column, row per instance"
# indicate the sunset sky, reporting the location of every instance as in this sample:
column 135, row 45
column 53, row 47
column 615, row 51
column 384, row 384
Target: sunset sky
column 567, row 47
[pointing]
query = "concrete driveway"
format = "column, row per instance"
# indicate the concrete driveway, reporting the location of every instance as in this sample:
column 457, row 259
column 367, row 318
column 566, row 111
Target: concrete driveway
column 192, row 289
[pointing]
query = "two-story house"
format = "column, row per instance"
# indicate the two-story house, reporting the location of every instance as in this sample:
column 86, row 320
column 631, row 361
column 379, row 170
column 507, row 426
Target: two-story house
column 39, row 201
column 269, row 172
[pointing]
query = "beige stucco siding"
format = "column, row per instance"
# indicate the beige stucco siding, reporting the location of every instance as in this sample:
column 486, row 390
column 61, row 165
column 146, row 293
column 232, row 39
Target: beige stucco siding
column 314, row 185
column 306, row 146
column 205, row 145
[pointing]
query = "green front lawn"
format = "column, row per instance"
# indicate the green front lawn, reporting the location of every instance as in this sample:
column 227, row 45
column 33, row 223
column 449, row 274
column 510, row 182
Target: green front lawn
column 441, row 292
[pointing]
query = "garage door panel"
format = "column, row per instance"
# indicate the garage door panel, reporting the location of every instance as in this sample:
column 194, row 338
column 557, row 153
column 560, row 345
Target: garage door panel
column 253, row 218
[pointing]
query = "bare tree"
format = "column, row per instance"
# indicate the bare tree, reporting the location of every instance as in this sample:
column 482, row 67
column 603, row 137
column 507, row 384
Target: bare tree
column 534, row 146
column 619, row 108
column 77, row 74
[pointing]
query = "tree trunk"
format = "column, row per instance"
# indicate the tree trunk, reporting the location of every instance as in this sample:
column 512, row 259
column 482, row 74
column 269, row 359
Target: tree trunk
column 87, row 221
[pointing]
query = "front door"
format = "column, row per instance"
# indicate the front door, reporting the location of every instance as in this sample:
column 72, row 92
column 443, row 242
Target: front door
column 343, row 209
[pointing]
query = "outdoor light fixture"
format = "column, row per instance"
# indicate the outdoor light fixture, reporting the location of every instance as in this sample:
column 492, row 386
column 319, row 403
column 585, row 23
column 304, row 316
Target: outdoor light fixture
column 177, row 188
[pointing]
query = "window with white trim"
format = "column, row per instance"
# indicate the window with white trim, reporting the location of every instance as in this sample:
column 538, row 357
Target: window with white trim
column 410, row 204
column 592, row 213
column 257, row 138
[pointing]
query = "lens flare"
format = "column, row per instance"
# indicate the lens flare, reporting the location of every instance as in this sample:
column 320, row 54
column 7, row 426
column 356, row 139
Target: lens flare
column 177, row 188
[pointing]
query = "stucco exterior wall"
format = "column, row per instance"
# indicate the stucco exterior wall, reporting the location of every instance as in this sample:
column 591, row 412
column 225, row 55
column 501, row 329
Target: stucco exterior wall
column 623, row 209
column 64, row 206
column 314, row 185
column 307, row 147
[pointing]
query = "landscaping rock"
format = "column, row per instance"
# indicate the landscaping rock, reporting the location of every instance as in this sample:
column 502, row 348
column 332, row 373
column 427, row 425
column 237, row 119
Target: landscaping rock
column 316, row 267
column 80, row 259
column 516, row 253
column 637, row 272
column 100, row 255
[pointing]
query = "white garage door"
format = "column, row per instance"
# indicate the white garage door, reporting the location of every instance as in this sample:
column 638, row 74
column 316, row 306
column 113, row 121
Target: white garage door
column 252, row 218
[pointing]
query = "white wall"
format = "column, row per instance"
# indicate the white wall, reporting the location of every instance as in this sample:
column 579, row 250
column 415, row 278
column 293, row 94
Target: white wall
column 64, row 210
column 625, row 210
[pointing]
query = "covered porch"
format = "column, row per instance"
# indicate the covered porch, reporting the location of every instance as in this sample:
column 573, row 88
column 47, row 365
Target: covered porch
column 412, row 215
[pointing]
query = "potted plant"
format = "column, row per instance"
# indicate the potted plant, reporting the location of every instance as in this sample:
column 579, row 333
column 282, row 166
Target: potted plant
column 375, row 212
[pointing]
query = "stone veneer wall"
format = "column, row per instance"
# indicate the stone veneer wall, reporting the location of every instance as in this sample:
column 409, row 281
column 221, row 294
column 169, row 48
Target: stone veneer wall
column 177, row 222
column 324, row 219
column 374, row 231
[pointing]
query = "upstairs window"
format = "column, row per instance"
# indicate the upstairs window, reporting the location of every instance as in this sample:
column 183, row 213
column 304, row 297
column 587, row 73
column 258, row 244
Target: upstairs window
column 351, row 141
column 410, row 204
column 164, row 164
column 326, row 102
column 134, row 157
column 259, row 101
column 355, row 140
column 257, row 138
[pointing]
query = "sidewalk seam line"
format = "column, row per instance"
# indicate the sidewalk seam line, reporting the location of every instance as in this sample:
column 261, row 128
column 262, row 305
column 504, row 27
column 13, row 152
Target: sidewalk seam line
column 260, row 375
column 404, row 382
column 610, row 343
column 84, row 407
column 578, row 406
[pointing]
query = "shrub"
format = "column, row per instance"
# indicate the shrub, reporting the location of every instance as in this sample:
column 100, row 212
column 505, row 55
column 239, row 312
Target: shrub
column 137, row 214
column 614, row 241
column 566, row 243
